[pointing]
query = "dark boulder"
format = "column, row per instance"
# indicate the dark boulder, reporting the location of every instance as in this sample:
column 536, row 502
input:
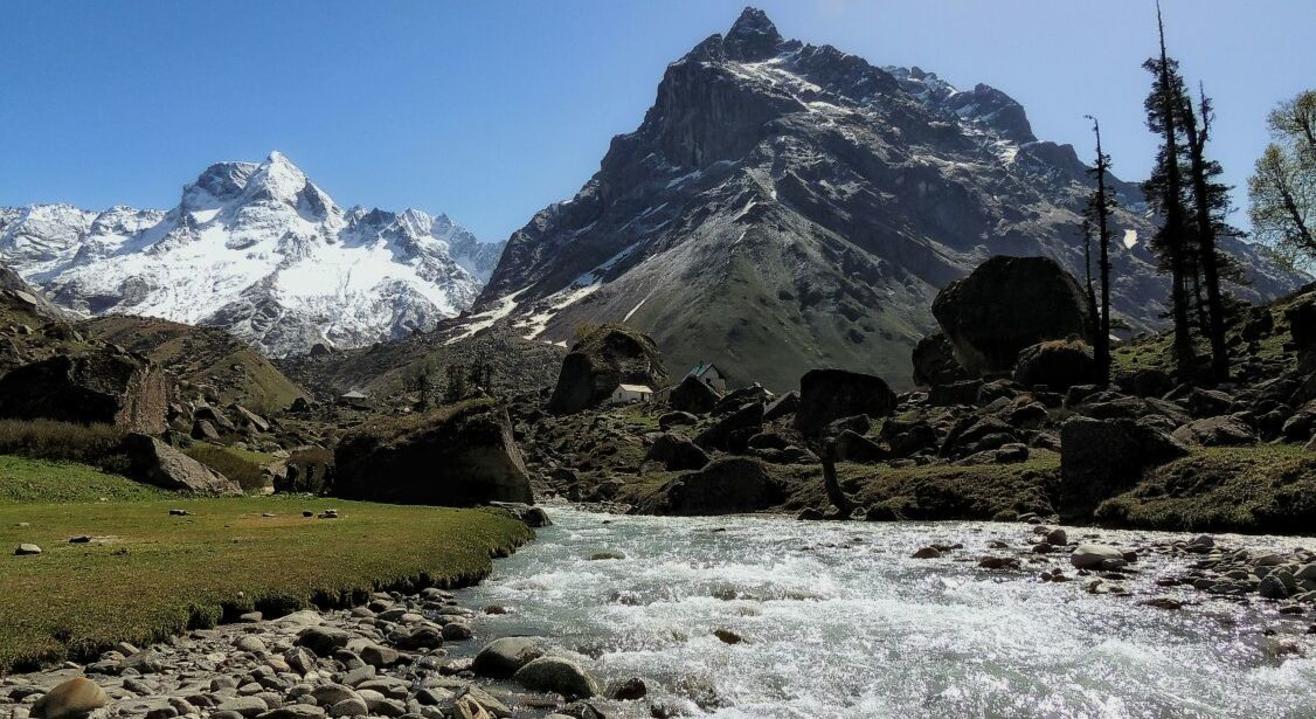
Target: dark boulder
column 854, row 447
column 676, row 419
column 725, row 486
column 153, row 462
column 830, row 394
column 935, row 363
column 1057, row 365
column 1145, row 382
column 737, row 399
column 693, row 396
column 607, row 357
column 907, row 437
column 947, row 395
column 98, row 387
column 786, row 404
column 1007, row 304
column 742, row 424
column 456, row 455
column 676, row 453
column 1101, row 458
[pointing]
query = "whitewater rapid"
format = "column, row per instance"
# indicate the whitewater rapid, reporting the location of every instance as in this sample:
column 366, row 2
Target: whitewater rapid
column 838, row 621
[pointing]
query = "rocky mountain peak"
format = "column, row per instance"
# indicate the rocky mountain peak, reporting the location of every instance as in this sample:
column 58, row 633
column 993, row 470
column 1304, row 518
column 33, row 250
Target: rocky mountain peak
column 785, row 206
column 752, row 38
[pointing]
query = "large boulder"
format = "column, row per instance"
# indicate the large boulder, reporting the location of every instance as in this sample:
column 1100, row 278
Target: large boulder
column 154, row 462
column 73, row 699
column 103, row 386
column 1007, row 304
column 831, row 394
column 676, row 453
column 1101, row 458
column 732, row 431
column 935, row 363
column 1057, row 365
column 694, row 396
column 1221, row 431
column 725, row 486
column 456, row 455
column 559, row 675
column 606, row 357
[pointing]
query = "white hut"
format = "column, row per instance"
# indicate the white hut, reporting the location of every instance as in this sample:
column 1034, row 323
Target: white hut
column 628, row 393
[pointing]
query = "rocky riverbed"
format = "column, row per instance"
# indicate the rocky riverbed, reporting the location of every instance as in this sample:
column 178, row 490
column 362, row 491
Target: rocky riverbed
column 760, row 616
column 399, row 655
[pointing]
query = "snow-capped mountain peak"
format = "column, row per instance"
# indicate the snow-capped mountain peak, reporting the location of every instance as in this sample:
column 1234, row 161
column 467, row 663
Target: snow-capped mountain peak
column 259, row 249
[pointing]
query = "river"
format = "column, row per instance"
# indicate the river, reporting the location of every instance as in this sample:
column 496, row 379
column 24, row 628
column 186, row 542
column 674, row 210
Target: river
column 838, row 621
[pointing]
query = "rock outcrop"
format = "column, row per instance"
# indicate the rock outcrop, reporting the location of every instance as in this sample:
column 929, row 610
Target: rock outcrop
column 456, row 455
column 1006, row 305
column 154, row 462
column 726, row 486
column 602, row 360
column 935, row 363
column 827, row 395
column 1101, row 458
column 1056, row 365
column 99, row 386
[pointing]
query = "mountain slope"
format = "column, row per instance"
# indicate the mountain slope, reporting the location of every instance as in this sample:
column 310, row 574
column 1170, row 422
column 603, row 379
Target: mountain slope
column 784, row 206
column 257, row 249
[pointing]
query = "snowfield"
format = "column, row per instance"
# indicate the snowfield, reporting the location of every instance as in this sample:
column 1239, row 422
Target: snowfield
column 258, row 249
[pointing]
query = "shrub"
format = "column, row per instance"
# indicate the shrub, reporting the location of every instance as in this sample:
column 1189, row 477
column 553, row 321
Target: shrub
column 244, row 470
column 94, row 444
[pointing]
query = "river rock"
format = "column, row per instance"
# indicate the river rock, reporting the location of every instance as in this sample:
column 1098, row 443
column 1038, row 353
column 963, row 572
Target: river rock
column 556, row 674
column 1097, row 556
column 501, row 658
column 322, row 640
column 72, row 699
column 27, row 550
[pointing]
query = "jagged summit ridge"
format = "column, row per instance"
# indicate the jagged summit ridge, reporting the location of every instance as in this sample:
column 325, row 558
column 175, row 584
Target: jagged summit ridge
column 257, row 248
column 783, row 206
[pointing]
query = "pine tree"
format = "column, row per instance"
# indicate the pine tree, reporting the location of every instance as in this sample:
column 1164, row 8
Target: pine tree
column 1099, row 209
column 1165, row 192
column 1210, row 202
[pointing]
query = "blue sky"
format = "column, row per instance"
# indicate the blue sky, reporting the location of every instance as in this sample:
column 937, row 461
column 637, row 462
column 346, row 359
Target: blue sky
column 490, row 110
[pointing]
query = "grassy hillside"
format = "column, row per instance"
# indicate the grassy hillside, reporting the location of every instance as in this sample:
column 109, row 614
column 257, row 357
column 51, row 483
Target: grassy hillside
column 202, row 356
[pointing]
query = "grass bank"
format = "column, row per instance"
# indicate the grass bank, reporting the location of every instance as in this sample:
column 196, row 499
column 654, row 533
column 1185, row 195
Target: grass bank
column 1267, row 489
column 147, row 574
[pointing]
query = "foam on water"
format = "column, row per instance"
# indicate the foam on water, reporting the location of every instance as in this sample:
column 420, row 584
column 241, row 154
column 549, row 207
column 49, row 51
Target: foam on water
column 837, row 620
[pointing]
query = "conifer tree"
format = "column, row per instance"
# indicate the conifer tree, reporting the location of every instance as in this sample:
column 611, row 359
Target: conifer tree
column 1210, row 204
column 1099, row 208
column 1165, row 192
